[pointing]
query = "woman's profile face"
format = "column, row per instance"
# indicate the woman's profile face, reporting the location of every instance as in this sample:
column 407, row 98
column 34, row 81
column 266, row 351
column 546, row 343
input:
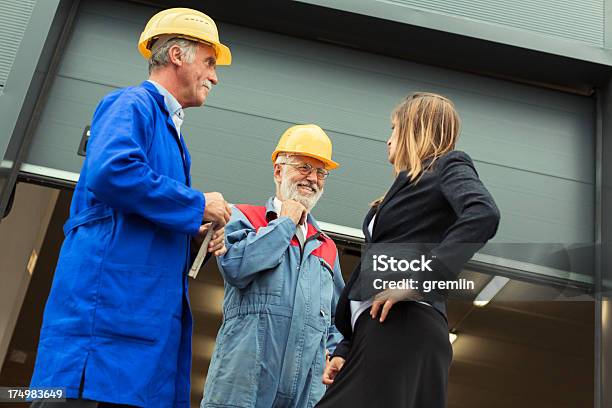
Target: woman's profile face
column 392, row 142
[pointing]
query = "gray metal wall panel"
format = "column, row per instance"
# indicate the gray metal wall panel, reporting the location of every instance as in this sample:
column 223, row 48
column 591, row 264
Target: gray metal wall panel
column 580, row 20
column 532, row 147
column 14, row 19
column 497, row 33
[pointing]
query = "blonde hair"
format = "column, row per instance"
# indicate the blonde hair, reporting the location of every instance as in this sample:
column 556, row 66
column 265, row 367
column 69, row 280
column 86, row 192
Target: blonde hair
column 428, row 127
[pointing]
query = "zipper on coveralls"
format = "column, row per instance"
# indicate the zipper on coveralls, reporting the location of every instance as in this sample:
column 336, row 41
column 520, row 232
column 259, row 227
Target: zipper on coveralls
column 315, row 236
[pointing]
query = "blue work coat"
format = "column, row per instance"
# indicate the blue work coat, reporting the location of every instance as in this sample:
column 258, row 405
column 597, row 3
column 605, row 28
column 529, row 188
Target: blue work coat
column 118, row 315
column 278, row 313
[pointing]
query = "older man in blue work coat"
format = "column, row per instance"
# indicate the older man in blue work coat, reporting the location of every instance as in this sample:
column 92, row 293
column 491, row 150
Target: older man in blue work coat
column 282, row 282
column 117, row 324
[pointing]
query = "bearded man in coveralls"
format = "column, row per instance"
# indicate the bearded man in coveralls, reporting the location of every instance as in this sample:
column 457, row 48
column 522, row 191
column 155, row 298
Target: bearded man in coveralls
column 282, row 282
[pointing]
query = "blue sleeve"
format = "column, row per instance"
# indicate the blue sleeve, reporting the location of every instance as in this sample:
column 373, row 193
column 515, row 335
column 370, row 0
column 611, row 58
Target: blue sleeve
column 119, row 174
column 334, row 337
column 250, row 252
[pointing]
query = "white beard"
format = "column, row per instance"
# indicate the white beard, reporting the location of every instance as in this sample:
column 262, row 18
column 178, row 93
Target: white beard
column 290, row 191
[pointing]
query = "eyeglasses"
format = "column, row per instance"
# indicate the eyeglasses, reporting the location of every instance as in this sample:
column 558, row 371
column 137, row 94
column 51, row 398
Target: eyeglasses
column 306, row 169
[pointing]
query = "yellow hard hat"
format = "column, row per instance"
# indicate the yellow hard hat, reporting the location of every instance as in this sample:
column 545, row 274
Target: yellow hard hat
column 306, row 140
column 185, row 23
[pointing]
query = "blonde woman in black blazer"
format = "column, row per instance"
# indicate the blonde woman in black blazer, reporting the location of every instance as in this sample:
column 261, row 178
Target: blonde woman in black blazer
column 397, row 353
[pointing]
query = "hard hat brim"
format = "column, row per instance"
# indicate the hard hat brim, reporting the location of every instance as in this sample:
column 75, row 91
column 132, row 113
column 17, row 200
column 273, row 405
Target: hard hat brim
column 329, row 164
column 223, row 53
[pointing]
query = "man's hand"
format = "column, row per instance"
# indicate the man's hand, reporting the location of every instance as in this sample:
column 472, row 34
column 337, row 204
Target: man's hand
column 294, row 210
column 332, row 368
column 217, row 209
column 387, row 298
column 216, row 246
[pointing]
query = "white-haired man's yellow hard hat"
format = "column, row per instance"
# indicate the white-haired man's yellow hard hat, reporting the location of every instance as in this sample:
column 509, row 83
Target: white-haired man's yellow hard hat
column 184, row 23
column 306, row 140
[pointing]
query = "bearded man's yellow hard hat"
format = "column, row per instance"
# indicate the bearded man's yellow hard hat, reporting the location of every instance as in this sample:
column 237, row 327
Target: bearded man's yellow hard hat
column 307, row 140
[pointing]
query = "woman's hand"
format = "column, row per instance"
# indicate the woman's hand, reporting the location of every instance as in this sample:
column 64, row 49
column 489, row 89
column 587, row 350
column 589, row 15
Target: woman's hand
column 332, row 368
column 387, row 298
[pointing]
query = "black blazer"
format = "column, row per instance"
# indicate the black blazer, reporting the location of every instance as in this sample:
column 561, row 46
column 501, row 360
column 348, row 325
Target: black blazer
column 449, row 205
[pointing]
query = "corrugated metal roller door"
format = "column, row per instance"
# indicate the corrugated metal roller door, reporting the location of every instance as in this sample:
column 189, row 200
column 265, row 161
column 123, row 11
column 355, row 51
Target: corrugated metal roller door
column 533, row 147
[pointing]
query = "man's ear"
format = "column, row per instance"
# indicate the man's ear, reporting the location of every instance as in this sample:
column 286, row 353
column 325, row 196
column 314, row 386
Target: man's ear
column 277, row 172
column 175, row 55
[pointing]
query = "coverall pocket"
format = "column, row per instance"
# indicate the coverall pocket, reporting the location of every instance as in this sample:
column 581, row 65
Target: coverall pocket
column 268, row 282
column 233, row 377
column 327, row 291
column 132, row 301
column 111, row 323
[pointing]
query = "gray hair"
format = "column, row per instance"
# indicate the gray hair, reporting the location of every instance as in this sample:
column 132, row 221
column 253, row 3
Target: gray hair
column 284, row 157
column 160, row 58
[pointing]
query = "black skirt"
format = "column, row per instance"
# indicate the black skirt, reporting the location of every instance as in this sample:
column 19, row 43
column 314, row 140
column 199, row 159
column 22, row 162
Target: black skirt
column 401, row 363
